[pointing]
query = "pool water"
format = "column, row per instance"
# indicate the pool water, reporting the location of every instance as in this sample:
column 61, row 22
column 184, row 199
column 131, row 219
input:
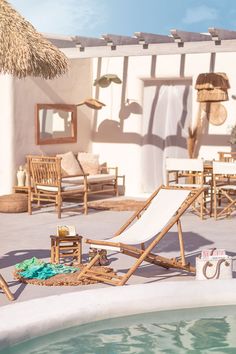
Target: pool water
column 193, row 331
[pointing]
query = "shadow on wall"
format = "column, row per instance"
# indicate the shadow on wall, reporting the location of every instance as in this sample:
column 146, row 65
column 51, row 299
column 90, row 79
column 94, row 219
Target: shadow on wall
column 112, row 131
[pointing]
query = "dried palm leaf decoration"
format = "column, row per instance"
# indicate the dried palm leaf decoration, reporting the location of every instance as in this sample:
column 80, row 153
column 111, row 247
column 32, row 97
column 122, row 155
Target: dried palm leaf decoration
column 92, row 103
column 24, row 51
column 106, row 80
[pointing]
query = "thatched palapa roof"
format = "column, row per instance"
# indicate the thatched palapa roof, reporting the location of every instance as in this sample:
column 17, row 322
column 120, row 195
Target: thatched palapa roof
column 24, row 51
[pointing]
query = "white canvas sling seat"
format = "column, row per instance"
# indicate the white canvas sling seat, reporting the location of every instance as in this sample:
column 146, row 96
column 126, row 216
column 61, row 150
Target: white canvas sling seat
column 161, row 211
column 224, row 186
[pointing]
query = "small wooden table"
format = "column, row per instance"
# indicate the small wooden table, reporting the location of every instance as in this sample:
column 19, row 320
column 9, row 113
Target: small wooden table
column 18, row 189
column 65, row 247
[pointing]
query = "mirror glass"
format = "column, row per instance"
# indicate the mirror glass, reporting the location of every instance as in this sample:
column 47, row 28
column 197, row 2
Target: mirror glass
column 56, row 123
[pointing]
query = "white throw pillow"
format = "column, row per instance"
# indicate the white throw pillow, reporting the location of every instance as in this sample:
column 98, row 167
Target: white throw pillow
column 89, row 162
column 69, row 164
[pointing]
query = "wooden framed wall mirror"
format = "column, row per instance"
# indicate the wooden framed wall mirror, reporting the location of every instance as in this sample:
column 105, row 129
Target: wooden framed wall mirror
column 55, row 123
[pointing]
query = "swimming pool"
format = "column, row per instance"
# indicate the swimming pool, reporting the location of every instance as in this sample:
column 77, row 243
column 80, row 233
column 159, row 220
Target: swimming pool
column 23, row 321
column 179, row 331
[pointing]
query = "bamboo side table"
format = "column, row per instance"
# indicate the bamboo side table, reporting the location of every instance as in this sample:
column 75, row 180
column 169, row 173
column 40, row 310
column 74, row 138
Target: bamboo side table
column 66, row 246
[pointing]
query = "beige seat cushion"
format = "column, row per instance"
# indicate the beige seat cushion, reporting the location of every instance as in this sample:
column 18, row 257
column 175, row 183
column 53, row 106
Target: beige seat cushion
column 89, row 162
column 98, row 178
column 69, row 164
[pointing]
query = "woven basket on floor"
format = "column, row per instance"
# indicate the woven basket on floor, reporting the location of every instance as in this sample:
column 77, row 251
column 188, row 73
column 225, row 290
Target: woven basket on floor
column 13, row 203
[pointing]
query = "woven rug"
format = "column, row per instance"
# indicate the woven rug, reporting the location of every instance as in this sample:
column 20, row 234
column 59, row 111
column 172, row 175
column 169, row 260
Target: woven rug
column 118, row 205
column 69, row 279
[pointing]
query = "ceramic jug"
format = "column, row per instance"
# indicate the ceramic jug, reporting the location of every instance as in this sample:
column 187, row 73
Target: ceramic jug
column 20, row 177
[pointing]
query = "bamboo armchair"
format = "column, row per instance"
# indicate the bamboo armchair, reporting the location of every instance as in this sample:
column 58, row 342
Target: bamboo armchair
column 187, row 172
column 224, row 186
column 48, row 185
column 151, row 223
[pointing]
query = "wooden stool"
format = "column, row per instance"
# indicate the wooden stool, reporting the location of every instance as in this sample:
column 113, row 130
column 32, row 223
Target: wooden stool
column 66, row 246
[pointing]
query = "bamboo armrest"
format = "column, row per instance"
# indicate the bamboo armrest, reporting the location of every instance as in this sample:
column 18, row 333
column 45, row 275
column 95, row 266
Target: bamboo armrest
column 113, row 168
column 80, row 175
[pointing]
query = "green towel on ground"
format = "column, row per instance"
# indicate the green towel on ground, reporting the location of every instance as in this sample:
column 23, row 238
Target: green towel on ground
column 34, row 268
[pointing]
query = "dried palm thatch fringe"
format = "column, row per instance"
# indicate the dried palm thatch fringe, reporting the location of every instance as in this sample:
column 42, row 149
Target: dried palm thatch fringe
column 211, row 81
column 24, row 51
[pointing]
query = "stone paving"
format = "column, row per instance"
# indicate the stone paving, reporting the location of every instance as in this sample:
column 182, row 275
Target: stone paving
column 24, row 236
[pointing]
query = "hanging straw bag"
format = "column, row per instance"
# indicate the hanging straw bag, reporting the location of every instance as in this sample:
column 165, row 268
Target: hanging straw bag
column 213, row 266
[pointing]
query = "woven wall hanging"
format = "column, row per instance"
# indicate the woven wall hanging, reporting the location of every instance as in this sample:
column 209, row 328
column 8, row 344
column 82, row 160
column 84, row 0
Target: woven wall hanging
column 215, row 111
column 212, row 87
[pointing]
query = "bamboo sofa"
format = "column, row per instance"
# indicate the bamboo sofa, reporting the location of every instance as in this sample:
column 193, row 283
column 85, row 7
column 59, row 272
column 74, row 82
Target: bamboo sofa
column 54, row 178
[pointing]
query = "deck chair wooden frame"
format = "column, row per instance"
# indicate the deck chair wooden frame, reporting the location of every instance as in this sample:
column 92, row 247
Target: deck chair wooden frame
column 46, row 183
column 5, row 288
column 187, row 172
column 224, row 187
column 144, row 253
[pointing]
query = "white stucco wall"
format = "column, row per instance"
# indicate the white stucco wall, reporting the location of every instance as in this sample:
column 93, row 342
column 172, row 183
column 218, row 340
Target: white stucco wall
column 6, row 134
column 114, row 131
column 17, row 123
column 119, row 142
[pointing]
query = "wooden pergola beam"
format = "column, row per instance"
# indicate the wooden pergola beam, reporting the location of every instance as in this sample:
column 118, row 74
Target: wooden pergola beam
column 83, row 42
column 183, row 36
column 149, row 38
column 219, row 34
column 114, row 40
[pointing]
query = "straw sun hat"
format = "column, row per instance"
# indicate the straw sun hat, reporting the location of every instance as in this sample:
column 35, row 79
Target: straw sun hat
column 106, row 80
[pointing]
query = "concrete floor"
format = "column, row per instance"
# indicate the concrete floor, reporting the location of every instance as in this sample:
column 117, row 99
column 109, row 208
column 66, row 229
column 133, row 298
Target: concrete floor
column 24, row 236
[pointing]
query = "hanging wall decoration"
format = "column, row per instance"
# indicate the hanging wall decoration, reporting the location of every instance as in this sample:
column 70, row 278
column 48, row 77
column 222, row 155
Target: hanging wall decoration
column 212, row 87
column 106, row 80
column 92, row 103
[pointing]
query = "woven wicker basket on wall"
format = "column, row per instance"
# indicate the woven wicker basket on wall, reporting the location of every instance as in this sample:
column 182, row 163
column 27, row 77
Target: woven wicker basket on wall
column 211, row 81
column 212, row 95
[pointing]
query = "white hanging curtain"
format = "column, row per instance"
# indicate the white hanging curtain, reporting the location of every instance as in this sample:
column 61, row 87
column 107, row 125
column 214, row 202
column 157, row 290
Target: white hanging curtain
column 166, row 117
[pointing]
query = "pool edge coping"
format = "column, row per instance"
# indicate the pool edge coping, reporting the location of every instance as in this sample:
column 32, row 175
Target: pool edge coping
column 25, row 320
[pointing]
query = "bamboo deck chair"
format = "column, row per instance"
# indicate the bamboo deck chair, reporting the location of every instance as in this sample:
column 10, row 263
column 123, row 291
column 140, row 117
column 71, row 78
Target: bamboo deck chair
column 152, row 222
column 5, row 288
column 48, row 185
